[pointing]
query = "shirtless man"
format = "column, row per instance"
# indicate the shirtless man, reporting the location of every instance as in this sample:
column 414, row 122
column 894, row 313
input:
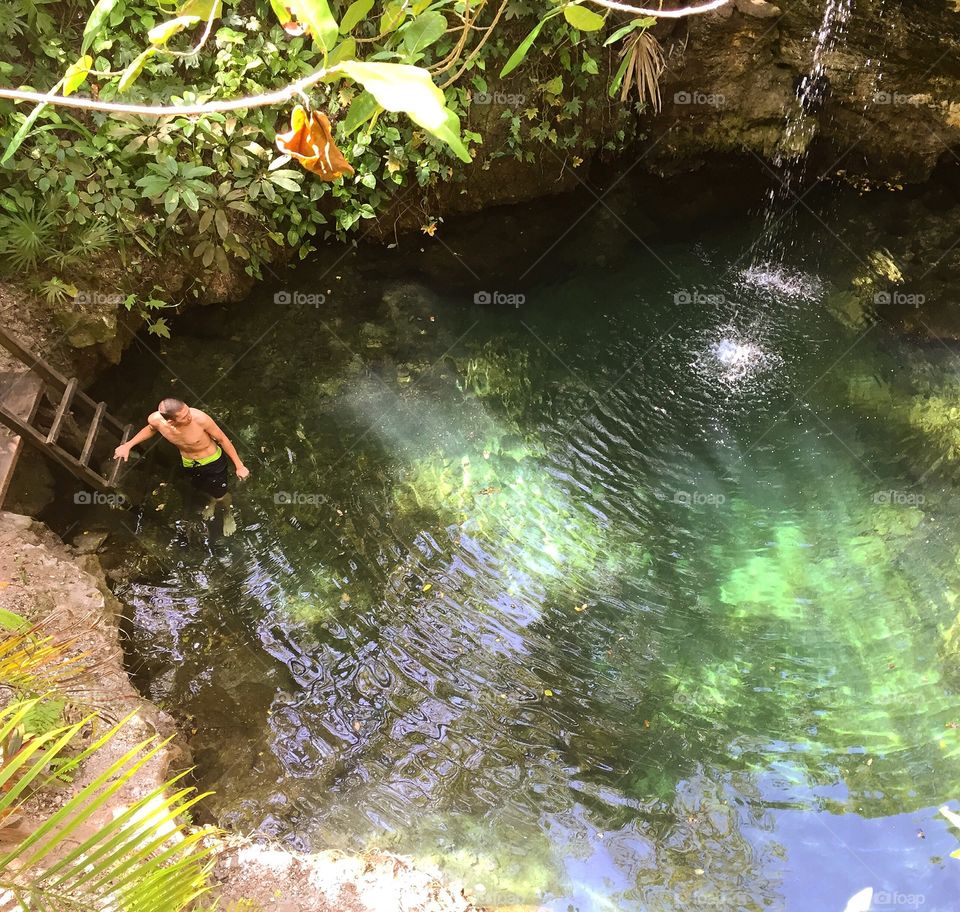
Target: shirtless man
column 203, row 450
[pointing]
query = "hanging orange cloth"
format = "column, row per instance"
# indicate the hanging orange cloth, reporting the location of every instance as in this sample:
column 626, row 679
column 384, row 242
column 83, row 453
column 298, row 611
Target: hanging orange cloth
column 310, row 141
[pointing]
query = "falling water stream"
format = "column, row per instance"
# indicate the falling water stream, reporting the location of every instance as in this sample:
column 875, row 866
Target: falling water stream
column 802, row 118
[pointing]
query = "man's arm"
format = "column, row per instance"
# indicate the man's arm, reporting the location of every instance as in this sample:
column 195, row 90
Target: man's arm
column 123, row 451
column 211, row 427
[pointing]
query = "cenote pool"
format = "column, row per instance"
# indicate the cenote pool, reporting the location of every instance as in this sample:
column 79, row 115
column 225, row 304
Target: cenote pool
column 628, row 596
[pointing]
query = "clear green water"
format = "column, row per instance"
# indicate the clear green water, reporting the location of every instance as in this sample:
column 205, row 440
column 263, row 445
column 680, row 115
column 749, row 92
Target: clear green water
column 565, row 598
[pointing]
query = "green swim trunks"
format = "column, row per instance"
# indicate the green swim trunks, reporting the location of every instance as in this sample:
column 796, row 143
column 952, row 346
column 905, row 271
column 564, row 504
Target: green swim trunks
column 208, row 474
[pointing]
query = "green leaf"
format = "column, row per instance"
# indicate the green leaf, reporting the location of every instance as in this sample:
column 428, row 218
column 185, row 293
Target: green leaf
column 423, row 31
column 152, row 185
column 345, row 50
column 554, row 86
column 205, row 9
column 356, row 12
column 316, row 15
column 280, row 11
column 393, row 14
column 98, row 18
column 162, row 33
column 583, row 19
column 589, row 65
column 25, row 128
column 286, row 178
column 362, row 108
column 159, row 327
column 449, row 132
column 131, row 73
column 517, row 57
column 630, row 27
column 618, row 76
column 401, row 87
column 76, row 74
column 195, row 171
column 10, row 620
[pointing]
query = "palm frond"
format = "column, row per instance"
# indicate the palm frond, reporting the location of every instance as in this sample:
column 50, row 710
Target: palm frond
column 141, row 861
column 34, row 663
column 642, row 65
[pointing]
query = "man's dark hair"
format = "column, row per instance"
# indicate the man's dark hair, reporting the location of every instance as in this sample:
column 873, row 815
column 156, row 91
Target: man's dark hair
column 170, row 408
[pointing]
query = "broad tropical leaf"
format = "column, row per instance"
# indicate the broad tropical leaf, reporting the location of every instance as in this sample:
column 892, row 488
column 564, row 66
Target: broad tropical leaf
column 76, row 74
column 98, row 19
column 162, row 33
column 583, row 19
column 133, row 71
column 518, row 56
column 316, row 15
column 401, row 87
column 356, row 12
column 423, row 31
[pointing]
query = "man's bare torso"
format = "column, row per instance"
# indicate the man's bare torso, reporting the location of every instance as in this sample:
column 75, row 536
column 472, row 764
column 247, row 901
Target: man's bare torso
column 191, row 439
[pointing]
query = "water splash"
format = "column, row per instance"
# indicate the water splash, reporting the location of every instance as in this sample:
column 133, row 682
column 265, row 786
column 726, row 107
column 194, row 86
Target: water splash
column 784, row 283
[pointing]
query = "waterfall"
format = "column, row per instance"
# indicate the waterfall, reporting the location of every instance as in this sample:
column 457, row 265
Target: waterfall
column 791, row 157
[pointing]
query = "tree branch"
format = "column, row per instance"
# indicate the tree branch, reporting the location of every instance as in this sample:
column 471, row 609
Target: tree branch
column 185, row 110
column 662, row 13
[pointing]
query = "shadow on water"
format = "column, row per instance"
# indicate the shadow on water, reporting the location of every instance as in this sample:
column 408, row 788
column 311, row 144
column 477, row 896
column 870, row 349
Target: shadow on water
column 600, row 599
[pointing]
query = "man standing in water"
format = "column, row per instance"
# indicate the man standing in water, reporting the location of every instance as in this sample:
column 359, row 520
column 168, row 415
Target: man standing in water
column 203, row 450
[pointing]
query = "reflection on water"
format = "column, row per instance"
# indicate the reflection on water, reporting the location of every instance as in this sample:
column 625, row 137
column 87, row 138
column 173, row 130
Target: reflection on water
column 596, row 604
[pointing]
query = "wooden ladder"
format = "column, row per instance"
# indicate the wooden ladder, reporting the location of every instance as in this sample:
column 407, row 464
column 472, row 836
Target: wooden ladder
column 19, row 418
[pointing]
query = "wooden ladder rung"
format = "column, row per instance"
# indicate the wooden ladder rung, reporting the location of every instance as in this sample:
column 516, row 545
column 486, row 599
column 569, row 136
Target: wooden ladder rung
column 92, row 433
column 118, row 463
column 62, row 410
